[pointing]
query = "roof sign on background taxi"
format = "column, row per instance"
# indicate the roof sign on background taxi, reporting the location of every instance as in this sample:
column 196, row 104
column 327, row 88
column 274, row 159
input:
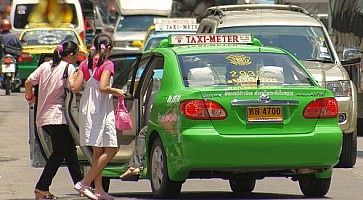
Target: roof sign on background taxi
column 175, row 20
column 211, row 39
column 176, row 27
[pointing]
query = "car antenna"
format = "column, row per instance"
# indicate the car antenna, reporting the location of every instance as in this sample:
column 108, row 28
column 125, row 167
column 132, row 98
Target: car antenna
column 258, row 81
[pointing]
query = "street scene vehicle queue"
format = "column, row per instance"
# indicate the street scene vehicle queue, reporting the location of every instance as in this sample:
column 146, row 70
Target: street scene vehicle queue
column 240, row 91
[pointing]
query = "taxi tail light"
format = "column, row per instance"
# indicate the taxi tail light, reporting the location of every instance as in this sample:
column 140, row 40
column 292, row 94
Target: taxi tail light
column 82, row 36
column 81, row 56
column 8, row 60
column 25, row 57
column 321, row 108
column 202, row 110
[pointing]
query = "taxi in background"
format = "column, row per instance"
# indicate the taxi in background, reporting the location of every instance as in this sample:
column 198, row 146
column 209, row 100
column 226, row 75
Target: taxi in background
column 163, row 27
column 43, row 40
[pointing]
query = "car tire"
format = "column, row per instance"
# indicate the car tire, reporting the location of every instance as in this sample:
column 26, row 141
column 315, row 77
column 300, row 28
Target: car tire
column 161, row 185
column 348, row 156
column 7, row 86
column 242, row 186
column 311, row 186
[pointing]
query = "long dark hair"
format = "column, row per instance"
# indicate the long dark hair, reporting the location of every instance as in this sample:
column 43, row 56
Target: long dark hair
column 101, row 43
column 64, row 50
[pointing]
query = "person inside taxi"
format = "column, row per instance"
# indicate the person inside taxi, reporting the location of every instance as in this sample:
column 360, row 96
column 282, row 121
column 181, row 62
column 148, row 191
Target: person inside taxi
column 51, row 78
column 96, row 114
column 136, row 162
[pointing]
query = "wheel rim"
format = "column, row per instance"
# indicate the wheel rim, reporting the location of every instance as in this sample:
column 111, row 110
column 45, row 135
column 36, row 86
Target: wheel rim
column 157, row 167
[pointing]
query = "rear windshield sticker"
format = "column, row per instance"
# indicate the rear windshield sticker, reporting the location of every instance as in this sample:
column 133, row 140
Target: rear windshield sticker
column 325, row 55
column 323, row 50
column 240, row 60
column 258, row 93
column 21, row 10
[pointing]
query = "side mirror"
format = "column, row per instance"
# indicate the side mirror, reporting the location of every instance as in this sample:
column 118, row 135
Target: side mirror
column 137, row 43
column 351, row 56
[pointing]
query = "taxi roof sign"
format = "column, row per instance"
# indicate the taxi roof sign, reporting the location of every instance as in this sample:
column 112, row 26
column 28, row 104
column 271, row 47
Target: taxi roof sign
column 176, row 27
column 175, row 20
column 192, row 39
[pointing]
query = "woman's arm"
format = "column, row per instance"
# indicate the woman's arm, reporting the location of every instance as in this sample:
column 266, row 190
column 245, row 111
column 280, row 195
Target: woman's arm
column 105, row 85
column 76, row 81
column 29, row 95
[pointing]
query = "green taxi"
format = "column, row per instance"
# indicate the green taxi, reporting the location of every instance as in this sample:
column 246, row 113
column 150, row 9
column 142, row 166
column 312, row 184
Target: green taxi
column 219, row 106
column 236, row 111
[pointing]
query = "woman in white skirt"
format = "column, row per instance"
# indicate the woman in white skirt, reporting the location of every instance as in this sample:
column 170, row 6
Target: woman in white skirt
column 96, row 114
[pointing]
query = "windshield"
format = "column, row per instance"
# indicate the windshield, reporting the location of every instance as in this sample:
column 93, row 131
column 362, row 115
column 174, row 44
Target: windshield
column 153, row 42
column 48, row 37
column 22, row 12
column 304, row 42
column 134, row 23
column 241, row 69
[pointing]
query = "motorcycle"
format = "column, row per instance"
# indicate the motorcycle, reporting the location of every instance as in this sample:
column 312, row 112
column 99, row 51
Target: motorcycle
column 8, row 68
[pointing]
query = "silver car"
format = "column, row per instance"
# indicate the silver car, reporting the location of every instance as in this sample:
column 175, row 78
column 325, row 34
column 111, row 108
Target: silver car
column 130, row 28
column 294, row 29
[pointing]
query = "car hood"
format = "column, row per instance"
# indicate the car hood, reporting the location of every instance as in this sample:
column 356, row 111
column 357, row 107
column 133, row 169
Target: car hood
column 130, row 36
column 326, row 71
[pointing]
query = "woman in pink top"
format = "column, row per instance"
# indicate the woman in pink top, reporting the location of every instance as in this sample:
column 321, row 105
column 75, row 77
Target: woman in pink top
column 50, row 76
column 96, row 113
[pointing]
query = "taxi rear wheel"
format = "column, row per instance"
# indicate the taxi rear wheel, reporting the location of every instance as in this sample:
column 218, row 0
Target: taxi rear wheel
column 348, row 156
column 242, row 186
column 311, row 186
column 161, row 185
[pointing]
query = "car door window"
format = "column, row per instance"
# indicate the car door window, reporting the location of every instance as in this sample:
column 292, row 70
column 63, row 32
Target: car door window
column 124, row 68
column 151, row 82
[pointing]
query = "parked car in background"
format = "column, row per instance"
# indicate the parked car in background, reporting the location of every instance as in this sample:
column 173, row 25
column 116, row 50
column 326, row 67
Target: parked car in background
column 294, row 29
column 37, row 41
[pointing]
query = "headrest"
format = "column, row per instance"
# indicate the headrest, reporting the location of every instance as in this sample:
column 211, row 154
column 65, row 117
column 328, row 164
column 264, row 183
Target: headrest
column 200, row 77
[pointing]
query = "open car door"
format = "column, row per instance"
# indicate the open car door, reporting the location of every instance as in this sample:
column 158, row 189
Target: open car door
column 125, row 65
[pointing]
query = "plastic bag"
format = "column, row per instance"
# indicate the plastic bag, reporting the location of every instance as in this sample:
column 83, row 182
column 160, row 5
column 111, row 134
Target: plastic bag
column 122, row 116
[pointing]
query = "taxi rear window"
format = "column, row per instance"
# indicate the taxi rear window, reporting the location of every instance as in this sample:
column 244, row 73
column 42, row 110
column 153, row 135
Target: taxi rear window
column 241, row 69
column 48, row 37
column 22, row 12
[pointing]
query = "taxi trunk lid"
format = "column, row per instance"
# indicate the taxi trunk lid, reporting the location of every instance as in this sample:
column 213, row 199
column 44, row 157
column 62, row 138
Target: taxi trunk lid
column 261, row 111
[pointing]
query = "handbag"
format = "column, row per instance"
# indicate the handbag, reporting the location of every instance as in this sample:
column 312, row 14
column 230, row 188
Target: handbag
column 122, row 116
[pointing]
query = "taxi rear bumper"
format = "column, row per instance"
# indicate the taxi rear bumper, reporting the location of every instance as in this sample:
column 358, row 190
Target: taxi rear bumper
column 203, row 149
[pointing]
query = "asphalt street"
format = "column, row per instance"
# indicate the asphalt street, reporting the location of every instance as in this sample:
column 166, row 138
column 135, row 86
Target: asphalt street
column 18, row 178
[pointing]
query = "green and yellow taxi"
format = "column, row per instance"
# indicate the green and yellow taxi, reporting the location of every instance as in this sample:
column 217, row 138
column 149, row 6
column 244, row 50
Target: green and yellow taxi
column 218, row 106
column 43, row 40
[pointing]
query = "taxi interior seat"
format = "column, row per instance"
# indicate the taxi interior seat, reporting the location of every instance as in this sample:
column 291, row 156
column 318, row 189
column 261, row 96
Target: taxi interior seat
column 200, row 77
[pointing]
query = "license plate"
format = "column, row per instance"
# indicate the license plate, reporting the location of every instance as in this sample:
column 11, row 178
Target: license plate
column 7, row 68
column 264, row 114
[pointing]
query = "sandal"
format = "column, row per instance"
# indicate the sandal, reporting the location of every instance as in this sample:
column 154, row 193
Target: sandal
column 132, row 174
column 39, row 196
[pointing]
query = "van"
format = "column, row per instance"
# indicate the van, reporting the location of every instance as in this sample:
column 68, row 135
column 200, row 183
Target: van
column 22, row 11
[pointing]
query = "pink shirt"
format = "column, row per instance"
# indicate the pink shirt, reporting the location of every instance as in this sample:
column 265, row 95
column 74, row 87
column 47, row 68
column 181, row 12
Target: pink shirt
column 51, row 92
column 107, row 65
